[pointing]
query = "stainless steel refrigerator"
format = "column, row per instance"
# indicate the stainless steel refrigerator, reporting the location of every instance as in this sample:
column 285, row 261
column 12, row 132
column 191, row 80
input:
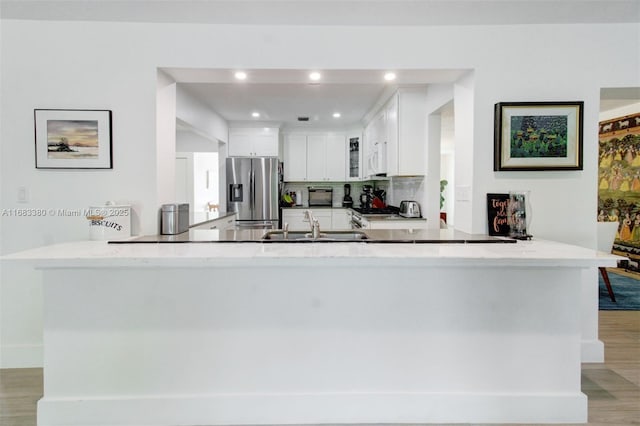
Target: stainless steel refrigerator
column 253, row 191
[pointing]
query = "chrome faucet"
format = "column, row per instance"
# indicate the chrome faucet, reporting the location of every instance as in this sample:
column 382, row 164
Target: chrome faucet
column 285, row 230
column 308, row 217
column 313, row 223
column 315, row 229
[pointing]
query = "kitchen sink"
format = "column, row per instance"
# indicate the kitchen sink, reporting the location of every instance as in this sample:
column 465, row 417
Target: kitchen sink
column 301, row 236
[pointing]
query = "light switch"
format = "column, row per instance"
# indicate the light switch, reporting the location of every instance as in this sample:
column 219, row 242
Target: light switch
column 23, row 194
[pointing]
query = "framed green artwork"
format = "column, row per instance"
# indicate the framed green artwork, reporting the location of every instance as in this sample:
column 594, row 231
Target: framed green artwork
column 538, row 136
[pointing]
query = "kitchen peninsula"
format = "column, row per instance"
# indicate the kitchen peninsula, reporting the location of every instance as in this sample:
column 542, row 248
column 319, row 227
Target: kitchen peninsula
column 255, row 333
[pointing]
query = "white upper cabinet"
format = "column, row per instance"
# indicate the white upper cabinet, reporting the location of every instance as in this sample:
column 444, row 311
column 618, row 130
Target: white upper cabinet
column 369, row 136
column 336, row 157
column 316, row 157
column 253, row 142
column 295, row 158
column 324, row 156
column 354, row 146
column 376, row 145
column 391, row 111
column 396, row 137
column 412, row 132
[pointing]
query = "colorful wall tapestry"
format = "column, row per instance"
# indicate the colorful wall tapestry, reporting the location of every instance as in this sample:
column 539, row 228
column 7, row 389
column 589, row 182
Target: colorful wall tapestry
column 619, row 181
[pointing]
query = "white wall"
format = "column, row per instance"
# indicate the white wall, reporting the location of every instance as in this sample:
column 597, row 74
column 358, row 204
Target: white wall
column 114, row 66
column 437, row 97
column 465, row 158
column 205, row 180
column 447, row 172
column 165, row 148
column 619, row 112
column 188, row 141
column 202, row 119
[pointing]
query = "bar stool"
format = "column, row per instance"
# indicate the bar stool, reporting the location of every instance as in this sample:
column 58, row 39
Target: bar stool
column 606, row 236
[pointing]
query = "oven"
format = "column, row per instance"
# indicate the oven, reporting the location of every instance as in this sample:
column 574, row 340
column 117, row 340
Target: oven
column 359, row 215
column 356, row 221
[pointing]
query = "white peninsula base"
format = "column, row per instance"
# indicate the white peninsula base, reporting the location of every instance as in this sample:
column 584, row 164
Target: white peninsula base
column 341, row 333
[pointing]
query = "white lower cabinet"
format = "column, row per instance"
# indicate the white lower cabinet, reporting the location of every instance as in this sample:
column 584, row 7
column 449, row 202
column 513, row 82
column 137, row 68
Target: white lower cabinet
column 226, row 223
column 295, row 219
column 324, row 218
column 340, row 219
column 221, row 224
column 396, row 224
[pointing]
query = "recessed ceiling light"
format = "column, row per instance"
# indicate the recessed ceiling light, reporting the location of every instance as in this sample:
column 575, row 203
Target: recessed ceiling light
column 336, row 115
column 390, row 76
column 315, row 76
column 255, row 114
column 241, row 75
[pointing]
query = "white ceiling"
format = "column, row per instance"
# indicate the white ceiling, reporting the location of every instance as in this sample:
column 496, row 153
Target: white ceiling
column 329, row 12
column 281, row 96
column 284, row 103
column 618, row 97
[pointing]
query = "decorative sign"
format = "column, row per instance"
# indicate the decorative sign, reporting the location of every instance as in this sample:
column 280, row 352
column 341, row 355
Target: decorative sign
column 110, row 222
column 497, row 214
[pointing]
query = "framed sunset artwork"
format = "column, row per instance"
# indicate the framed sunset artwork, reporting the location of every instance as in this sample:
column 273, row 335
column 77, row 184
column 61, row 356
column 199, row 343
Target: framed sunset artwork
column 73, row 139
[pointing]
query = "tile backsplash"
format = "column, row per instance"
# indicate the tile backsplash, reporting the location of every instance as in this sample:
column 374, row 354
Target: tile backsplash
column 338, row 190
column 398, row 189
column 406, row 188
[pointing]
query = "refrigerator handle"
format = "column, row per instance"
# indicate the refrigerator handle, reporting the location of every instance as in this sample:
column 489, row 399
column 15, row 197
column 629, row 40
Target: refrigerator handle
column 252, row 190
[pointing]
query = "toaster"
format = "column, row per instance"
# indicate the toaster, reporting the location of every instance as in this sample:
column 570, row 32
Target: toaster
column 409, row 209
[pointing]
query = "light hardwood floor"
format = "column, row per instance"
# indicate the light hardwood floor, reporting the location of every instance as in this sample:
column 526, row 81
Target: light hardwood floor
column 613, row 388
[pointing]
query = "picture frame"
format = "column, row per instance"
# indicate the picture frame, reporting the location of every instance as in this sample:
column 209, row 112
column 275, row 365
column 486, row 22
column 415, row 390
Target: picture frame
column 538, row 136
column 73, row 139
column 498, row 214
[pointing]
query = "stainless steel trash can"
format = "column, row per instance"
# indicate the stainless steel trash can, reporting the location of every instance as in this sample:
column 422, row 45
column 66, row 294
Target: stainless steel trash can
column 174, row 218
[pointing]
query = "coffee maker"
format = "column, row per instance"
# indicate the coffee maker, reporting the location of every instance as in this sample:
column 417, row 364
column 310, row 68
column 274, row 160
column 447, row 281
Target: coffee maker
column 347, row 201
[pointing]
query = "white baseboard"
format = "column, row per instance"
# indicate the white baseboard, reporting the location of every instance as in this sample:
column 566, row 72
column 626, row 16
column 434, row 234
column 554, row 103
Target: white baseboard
column 324, row 408
column 21, row 356
column 592, row 351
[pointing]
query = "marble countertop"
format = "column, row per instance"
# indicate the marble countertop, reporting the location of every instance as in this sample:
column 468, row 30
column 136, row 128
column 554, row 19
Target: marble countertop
column 240, row 248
